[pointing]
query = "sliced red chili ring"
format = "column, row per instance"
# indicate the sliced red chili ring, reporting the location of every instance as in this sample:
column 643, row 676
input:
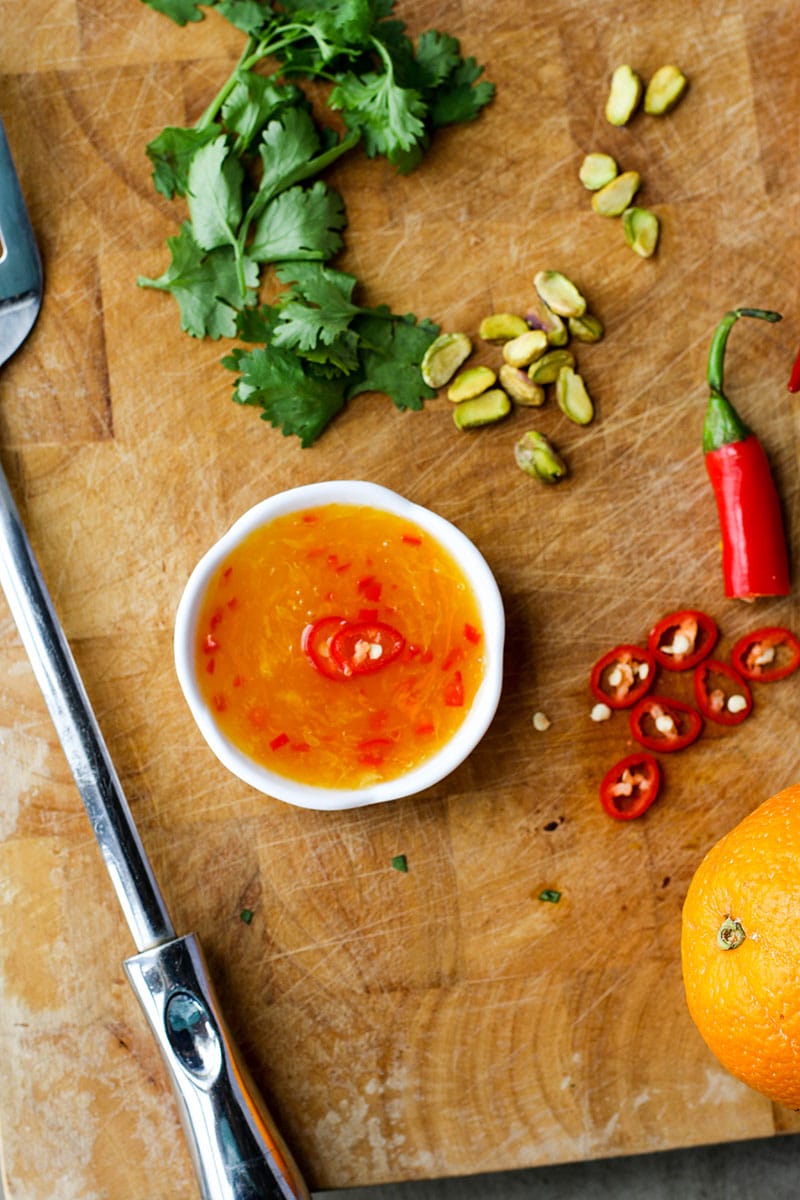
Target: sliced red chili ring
column 682, row 639
column 316, row 643
column 363, row 647
column 622, row 676
column 767, row 654
column 661, row 723
column 630, row 787
column 721, row 693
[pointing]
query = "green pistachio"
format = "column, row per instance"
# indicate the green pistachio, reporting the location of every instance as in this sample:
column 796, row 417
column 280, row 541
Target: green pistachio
column 546, row 368
column 521, row 351
column 539, row 316
column 559, row 294
column 597, row 170
column 624, row 95
column 615, row 197
column 470, row 383
column 641, row 228
column 573, row 398
column 537, row 456
column 587, row 328
column 502, row 327
column 664, row 90
column 443, row 357
column 520, row 387
column 485, row 409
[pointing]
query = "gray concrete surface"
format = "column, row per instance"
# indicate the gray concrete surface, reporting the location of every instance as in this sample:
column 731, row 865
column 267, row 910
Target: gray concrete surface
column 767, row 1169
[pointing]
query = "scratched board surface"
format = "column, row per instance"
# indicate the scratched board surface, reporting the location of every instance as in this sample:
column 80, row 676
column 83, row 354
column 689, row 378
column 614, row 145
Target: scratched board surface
column 442, row 1021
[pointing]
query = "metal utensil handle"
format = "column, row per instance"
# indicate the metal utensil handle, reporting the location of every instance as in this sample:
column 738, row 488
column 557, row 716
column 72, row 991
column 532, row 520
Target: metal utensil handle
column 237, row 1152
column 78, row 731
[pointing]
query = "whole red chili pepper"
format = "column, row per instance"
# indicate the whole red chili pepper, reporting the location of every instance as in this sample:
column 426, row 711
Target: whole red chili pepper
column 754, row 556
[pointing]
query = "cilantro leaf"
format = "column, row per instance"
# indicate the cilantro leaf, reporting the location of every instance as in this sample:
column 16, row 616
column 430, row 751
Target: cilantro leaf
column 206, row 286
column 299, row 223
column 390, row 118
column 460, row 97
column 437, row 56
column 392, row 348
column 180, row 11
column 251, row 16
column 287, row 144
column 252, row 101
column 171, row 154
column 292, row 400
column 317, row 309
column 214, row 193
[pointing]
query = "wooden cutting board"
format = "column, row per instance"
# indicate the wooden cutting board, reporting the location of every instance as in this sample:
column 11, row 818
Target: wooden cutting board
column 444, row 1021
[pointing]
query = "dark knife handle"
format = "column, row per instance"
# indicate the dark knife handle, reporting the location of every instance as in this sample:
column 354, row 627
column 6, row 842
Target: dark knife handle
column 237, row 1152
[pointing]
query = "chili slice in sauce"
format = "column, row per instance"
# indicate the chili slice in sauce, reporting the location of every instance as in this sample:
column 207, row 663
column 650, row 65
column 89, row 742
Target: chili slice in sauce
column 630, row 787
column 661, row 723
column 767, row 654
column 362, row 647
column 721, row 693
column 680, row 640
column 316, row 642
column 622, row 676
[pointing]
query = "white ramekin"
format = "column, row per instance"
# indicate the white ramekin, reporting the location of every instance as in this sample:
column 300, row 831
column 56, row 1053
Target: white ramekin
column 490, row 606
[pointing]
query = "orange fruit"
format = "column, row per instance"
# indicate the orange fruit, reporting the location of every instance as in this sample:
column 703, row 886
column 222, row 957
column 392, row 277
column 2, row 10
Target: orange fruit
column 740, row 948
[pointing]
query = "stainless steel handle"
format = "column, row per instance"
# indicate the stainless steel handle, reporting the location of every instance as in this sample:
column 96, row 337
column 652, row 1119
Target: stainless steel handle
column 237, row 1152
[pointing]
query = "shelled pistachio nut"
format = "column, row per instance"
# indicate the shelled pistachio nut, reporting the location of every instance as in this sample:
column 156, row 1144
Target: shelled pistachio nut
column 559, row 294
column 538, row 457
column 521, row 387
column 502, row 327
column 485, row 409
column 471, row 383
column 539, row 316
column 587, row 328
column 522, row 350
column 615, row 197
column 624, row 95
column 597, row 170
column 546, row 369
column 573, row 398
column 664, row 90
column 641, row 228
column 443, row 357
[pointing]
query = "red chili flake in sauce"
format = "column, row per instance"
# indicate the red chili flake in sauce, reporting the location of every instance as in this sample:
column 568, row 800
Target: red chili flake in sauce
column 472, row 634
column 281, row 740
column 452, row 658
column 454, row 692
column 370, row 743
column 411, row 539
column 210, row 666
column 424, row 727
column 226, row 574
column 220, row 703
column 216, row 617
column 210, row 644
column 370, row 588
column 300, row 746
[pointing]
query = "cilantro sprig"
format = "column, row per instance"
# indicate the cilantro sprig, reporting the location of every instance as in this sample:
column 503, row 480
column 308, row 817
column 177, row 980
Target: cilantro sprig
column 249, row 173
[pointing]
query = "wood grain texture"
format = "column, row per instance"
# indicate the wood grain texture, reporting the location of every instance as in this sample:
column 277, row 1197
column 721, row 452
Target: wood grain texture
column 441, row 1022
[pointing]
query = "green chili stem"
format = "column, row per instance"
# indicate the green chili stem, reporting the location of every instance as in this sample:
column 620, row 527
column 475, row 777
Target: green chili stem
column 723, row 424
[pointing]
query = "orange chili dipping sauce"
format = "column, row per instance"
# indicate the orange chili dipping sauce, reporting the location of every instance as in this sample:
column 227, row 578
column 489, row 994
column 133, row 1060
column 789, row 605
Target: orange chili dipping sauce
column 339, row 646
